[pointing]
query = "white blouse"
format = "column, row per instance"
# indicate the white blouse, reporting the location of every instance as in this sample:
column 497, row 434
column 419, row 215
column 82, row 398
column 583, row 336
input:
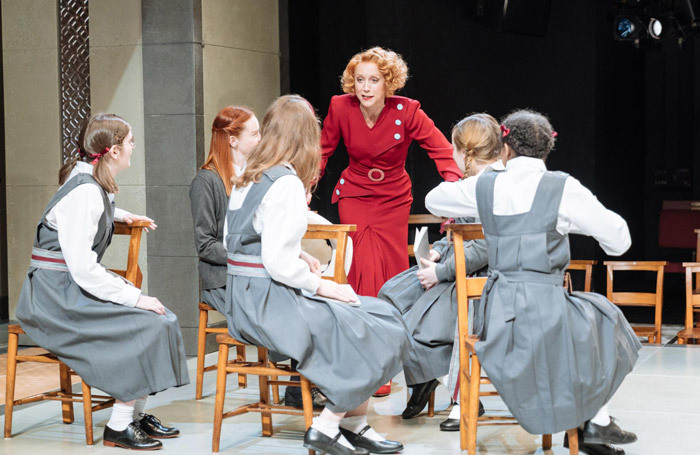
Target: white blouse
column 281, row 221
column 76, row 219
column 580, row 212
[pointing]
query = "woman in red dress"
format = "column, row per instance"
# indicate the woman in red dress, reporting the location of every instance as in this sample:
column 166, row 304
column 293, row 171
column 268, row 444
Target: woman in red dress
column 374, row 191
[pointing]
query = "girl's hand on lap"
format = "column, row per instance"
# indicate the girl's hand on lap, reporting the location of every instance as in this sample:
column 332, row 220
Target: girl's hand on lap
column 314, row 264
column 427, row 275
column 130, row 218
column 333, row 290
column 151, row 304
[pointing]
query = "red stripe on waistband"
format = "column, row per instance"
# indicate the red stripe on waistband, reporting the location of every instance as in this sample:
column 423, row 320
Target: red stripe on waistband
column 246, row 264
column 45, row 259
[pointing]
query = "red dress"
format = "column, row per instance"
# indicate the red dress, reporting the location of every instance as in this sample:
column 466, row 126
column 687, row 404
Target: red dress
column 374, row 191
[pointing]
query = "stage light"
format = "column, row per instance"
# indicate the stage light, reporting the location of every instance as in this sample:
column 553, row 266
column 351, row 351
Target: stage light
column 627, row 28
column 655, row 28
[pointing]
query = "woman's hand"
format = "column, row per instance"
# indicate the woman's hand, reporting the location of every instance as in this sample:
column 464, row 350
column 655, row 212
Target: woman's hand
column 333, row 290
column 130, row 218
column 427, row 275
column 151, row 304
column 434, row 256
column 314, row 264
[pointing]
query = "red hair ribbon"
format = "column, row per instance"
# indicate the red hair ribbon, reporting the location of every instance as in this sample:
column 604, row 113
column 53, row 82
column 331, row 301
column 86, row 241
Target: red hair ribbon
column 444, row 223
column 506, row 131
column 554, row 134
column 96, row 156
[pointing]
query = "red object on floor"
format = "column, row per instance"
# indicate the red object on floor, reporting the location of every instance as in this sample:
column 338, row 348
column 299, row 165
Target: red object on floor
column 383, row 390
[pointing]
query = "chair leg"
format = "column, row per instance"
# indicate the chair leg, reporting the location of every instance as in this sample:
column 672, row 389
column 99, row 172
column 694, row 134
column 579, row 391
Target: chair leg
column 431, row 404
column 546, row 441
column 573, row 441
column 473, row 412
column 307, row 405
column 240, row 357
column 10, row 381
column 201, row 347
column 220, row 396
column 275, row 390
column 87, row 411
column 265, row 416
column 463, row 400
column 66, row 388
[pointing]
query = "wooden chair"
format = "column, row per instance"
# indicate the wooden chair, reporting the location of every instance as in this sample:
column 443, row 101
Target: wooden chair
column 692, row 304
column 65, row 395
column 580, row 264
column 470, row 378
column 642, row 299
column 267, row 372
column 202, row 333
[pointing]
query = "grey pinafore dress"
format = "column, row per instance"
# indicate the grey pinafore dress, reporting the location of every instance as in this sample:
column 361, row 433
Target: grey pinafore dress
column 126, row 352
column 555, row 358
column 347, row 352
column 430, row 316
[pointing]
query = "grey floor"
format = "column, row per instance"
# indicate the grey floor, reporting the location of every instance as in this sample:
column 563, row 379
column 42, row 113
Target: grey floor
column 660, row 401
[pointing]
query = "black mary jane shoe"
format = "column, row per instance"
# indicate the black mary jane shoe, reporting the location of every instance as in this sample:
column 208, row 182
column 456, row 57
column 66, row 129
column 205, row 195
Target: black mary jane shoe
column 419, row 398
column 315, row 440
column 152, row 427
column 292, row 397
column 593, row 449
column 132, row 437
column 609, row 434
column 453, row 424
column 358, row 440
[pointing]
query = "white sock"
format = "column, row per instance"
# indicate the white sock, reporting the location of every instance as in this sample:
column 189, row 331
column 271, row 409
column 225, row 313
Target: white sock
column 357, row 424
column 139, row 407
column 603, row 417
column 443, row 380
column 330, row 429
column 122, row 416
column 454, row 413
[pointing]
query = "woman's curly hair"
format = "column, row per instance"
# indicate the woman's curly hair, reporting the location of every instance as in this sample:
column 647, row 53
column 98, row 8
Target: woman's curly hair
column 392, row 67
column 529, row 133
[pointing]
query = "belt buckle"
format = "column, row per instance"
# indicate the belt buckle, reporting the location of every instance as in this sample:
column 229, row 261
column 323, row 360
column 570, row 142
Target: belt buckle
column 374, row 170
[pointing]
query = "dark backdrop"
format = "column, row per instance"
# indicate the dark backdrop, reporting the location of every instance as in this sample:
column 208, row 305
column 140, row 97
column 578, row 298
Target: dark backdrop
column 621, row 112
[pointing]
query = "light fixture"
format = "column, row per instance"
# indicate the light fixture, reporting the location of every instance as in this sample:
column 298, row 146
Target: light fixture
column 655, row 28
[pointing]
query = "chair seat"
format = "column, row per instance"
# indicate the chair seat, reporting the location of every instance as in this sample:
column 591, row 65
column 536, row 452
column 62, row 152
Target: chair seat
column 644, row 331
column 689, row 333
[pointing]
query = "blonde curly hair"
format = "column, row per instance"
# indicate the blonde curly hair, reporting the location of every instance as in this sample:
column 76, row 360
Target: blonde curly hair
column 391, row 65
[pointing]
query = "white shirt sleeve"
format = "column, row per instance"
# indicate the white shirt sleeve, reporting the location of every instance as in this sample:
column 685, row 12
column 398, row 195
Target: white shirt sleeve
column 76, row 219
column 580, row 212
column 453, row 199
column 119, row 214
column 281, row 221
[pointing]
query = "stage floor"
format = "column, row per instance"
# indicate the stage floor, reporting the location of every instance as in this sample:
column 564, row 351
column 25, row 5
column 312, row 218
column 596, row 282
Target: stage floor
column 660, row 401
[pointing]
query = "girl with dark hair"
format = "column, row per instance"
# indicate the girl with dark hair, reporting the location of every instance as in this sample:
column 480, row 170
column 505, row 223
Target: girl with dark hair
column 275, row 297
column 114, row 337
column 234, row 134
column 555, row 358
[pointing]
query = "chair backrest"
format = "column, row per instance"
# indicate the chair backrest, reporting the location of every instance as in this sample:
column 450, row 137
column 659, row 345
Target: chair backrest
column 422, row 220
column 133, row 230
column 636, row 298
column 692, row 295
column 581, row 264
column 339, row 233
column 467, row 288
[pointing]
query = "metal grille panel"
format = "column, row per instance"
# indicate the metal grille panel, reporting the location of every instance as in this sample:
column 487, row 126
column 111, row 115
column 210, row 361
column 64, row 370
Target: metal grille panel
column 74, row 66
